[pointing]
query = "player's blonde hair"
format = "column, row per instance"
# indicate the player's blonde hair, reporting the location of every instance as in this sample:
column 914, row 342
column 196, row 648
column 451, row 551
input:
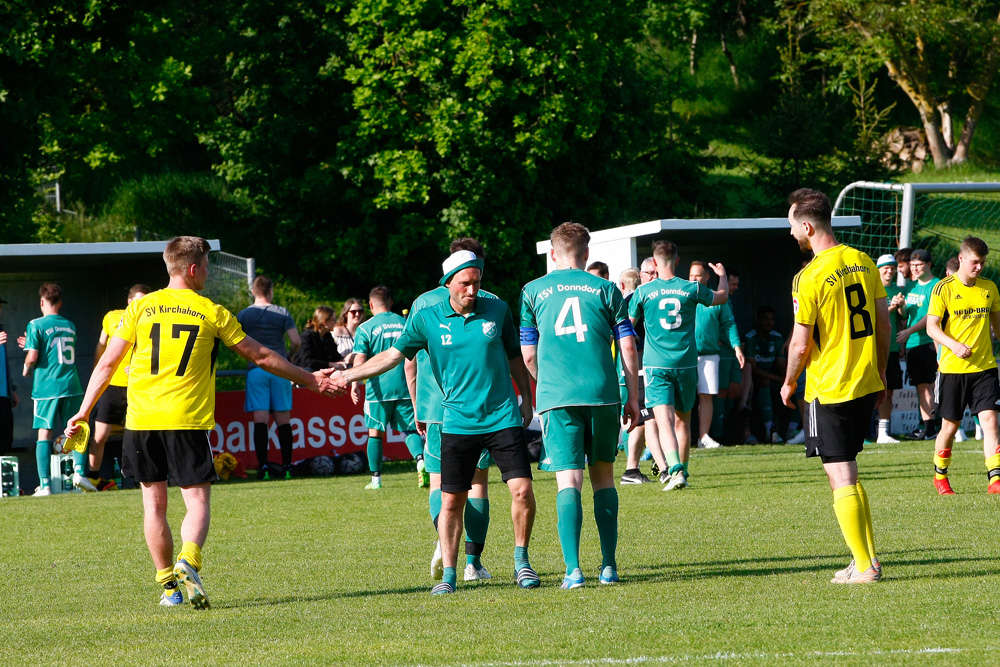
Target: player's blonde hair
column 183, row 251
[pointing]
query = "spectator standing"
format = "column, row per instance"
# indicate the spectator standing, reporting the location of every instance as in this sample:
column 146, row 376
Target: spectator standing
column 316, row 353
column 351, row 317
column 268, row 394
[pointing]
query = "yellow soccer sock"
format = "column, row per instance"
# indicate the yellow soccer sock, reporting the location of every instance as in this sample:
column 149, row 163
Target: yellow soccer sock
column 993, row 467
column 869, row 530
column 851, row 517
column 165, row 576
column 942, row 459
column 191, row 552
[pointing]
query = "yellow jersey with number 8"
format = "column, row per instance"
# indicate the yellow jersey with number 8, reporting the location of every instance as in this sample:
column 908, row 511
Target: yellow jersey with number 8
column 835, row 294
column 171, row 381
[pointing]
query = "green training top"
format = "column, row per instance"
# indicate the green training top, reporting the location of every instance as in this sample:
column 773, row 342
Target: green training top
column 377, row 335
column 715, row 323
column 429, row 394
column 468, row 356
column 918, row 300
column 668, row 307
column 571, row 314
column 55, row 376
column 764, row 350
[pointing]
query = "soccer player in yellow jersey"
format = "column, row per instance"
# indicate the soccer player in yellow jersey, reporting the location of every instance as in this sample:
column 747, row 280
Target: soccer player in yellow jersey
column 963, row 307
column 174, row 334
column 839, row 298
column 113, row 405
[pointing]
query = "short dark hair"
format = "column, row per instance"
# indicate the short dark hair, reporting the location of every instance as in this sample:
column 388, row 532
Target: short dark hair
column 698, row 262
column 139, row 288
column 468, row 243
column 903, row 254
column 975, row 245
column 601, row 268
column 380, row 295
column 665, row 250
column 50, row 292
column 764, row 310
column 262, row 285
column 952, row 265
column 813, row 206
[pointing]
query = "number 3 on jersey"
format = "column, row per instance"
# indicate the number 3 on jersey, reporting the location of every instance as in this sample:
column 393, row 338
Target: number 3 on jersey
column 674, row 312
column 571, row 308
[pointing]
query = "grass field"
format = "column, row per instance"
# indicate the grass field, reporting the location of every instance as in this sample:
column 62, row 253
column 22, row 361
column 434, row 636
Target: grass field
column 734, row 570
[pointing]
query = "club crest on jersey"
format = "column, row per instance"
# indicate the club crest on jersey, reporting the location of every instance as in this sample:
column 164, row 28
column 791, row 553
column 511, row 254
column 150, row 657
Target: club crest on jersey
column 795, row 305
column 489, row 329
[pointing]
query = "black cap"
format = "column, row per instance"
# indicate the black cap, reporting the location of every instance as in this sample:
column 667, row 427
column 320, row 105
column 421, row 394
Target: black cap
column 920, row 255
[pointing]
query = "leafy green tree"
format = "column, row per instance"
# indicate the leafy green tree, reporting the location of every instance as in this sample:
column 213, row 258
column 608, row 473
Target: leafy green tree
column 943, row 54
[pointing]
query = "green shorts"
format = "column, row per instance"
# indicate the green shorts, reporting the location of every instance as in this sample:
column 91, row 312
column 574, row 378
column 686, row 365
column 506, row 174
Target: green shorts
column 579, row 434
column 395, row 414
column 53, row 413
column 432, row 451
column 672, row 386
column 729, row 372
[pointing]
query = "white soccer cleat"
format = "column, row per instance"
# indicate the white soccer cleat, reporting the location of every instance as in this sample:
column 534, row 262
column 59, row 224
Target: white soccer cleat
column 886, row 440
column 960, row 435
column 797, row 439
column 437, row 562
column 472, row 573
column 677, row 481
column 776, row 439
column 708, row 442
column 82, row 483
column 42, row 491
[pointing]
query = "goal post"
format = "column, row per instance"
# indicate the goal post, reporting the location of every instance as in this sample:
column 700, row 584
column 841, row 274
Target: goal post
column 934, row 216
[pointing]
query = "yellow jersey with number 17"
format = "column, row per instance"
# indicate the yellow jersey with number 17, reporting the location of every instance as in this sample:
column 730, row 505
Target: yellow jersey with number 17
column 171, row 382
column 965, row 316
column 835, row 294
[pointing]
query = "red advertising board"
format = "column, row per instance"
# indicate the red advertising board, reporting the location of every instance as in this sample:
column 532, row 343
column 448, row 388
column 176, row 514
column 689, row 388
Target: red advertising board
column 320, row 426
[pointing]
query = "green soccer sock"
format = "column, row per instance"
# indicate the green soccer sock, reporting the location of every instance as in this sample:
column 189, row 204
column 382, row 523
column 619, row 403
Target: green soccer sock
column 43, row 462
column 569, row 510
column 606, row 515
column 673, row 460
column 521, row 558
column 477, row 524
column 79, row 462
column 450, row 576
column 375, row 455
column 415, row 444
column 435, row 506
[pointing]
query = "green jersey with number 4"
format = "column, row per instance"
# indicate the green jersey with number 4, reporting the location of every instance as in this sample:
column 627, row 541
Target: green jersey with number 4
column 574, row 313
column 669, row 308
column 55, row 376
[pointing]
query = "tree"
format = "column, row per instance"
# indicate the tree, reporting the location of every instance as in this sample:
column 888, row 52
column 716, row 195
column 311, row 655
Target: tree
column 943, row 54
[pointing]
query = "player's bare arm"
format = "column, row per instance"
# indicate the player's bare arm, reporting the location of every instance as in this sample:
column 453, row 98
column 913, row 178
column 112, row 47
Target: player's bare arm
column 380, row 363
column 100, row 378
column 721, row 295
column 30, row 359
column 318, row 382
column 102, row 344
column 519, row 372
column 798, row 352
column 934, row 330
column 358, row 388
column 529, row 353
column 919, row 325
column 410, row 370
column 630, row 367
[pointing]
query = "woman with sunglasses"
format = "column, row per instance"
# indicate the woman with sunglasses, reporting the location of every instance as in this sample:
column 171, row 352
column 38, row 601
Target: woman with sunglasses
column 351, row 316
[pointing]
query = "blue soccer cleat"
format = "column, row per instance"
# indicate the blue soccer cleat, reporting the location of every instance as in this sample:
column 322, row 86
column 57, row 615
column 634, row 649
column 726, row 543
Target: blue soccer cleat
column 572, row 580
column 187, row 575
column 609, row 575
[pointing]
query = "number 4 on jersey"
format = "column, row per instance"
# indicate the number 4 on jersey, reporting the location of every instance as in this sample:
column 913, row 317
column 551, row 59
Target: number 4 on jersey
column 571, row 307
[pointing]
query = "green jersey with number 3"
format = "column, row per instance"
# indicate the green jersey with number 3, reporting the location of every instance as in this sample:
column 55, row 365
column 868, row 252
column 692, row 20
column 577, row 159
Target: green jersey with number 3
column 669, row 308
column 574, row 313
column 55, row 376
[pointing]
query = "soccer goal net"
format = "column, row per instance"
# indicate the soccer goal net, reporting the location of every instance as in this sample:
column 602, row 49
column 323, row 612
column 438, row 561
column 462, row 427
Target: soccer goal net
column 933, row 216
column 229, row 280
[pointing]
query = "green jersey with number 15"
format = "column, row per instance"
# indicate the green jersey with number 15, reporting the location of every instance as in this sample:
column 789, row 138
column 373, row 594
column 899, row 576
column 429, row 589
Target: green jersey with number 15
column 574, row 313
column 55, row 376
column 669, row 309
